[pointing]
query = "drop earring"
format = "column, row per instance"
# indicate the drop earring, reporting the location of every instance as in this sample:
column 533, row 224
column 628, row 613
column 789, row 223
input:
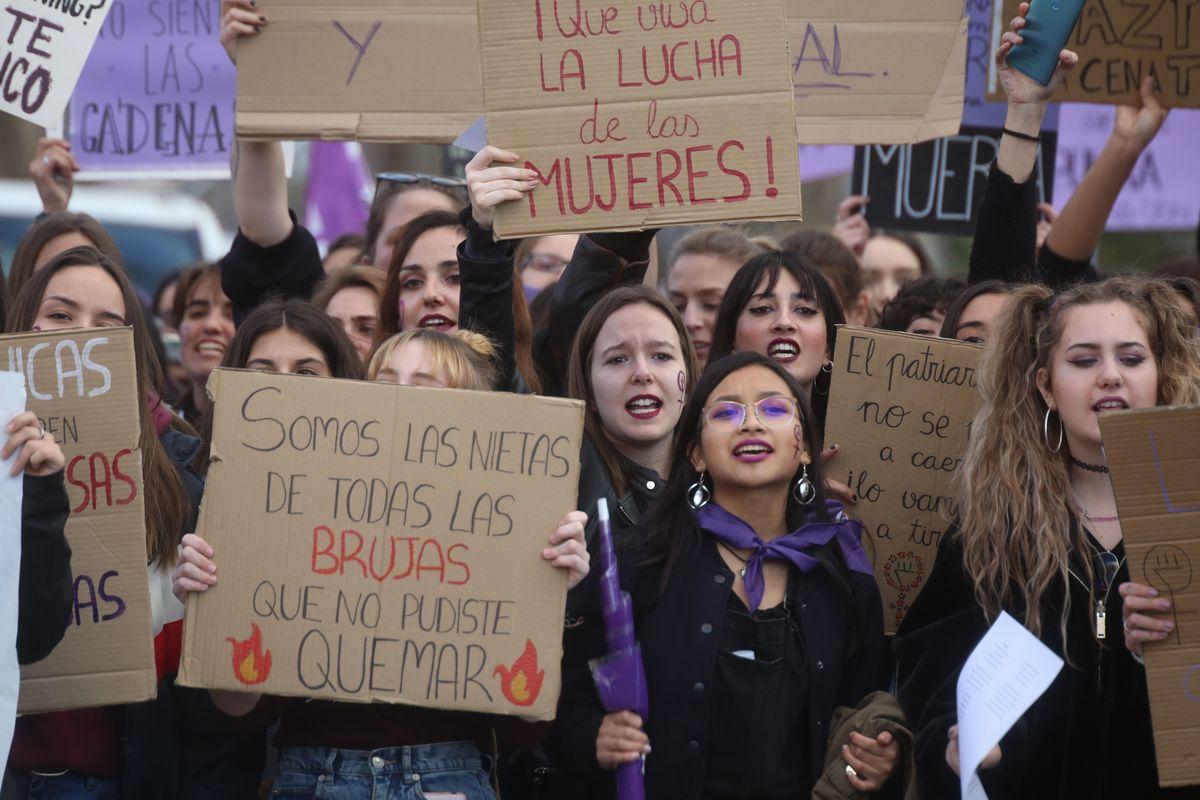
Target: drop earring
column 804, row 491
column 698, row 494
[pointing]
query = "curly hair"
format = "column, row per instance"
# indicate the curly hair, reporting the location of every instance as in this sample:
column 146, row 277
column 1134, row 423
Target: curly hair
column 1017, row 549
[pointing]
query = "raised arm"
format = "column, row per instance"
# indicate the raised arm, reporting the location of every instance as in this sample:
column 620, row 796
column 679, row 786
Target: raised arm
column 272, row 253
column 485, row 265
column 1077, row 231
column 1006, row 224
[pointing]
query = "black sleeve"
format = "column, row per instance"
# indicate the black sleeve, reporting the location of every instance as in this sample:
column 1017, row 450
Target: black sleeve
column 1060, row 273
column 867, row 671
column 250, row 272
column 46, row 596
column 485, row 302
column 938, row 635
column 1005, row 231
column 601, row 262
column 572, row 741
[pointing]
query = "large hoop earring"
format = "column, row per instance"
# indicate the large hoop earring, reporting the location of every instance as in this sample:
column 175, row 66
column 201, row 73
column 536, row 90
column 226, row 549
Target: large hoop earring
column 823, row 375
column 698, row 494
column 1046, row 432
column 804, row 491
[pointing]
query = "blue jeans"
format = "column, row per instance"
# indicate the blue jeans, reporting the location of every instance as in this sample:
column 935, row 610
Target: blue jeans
column 394, row 773
column 67, row 786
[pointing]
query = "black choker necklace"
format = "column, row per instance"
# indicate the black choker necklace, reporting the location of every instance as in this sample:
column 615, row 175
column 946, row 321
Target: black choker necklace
column 1102, row 470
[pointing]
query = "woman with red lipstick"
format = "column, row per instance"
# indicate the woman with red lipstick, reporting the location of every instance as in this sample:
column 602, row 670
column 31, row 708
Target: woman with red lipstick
column 755, row 606
column 781, row 307
column 1039, row 536
column 205, row 320
column 431, row 257
column 141, row 749
column 633, row 366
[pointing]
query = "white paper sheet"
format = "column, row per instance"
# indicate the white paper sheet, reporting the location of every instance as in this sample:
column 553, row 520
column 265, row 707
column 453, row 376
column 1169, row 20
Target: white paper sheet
column 12, row 402
column 1006, row 673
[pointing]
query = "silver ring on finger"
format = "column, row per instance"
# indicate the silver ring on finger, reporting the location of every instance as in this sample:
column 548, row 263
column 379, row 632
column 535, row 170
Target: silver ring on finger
column 851, row 772
column 41, row 432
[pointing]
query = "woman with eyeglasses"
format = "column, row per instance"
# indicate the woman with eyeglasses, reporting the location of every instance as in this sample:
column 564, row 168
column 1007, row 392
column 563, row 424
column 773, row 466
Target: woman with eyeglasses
column 1038, row 536
column 756, row 611
column 542, row 259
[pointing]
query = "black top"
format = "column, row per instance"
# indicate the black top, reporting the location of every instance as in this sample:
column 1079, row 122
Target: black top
column 1088, row 736
column 251, row 273
column 757, row 736
column 46, row 596
column 1005, row 244
column 679, row 631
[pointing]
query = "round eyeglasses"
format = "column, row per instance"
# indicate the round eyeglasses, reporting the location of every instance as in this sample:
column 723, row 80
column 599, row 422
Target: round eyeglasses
column 727, row 416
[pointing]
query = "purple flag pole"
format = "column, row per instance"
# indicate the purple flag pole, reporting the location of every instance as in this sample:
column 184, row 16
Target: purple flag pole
column 620, row 676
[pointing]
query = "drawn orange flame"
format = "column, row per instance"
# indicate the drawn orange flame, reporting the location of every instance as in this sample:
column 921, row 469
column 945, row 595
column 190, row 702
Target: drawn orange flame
column 522, row 683
column 250, row 664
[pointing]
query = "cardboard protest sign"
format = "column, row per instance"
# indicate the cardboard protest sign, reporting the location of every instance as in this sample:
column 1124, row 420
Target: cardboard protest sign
column 1160, row 193
column 1153, row 456
column 936, row 186
column 376, row 70
column 43, row 44
column 877, row 73
column 381, row 543
column 901, row 407
column 83, row 386
column 156, row 96
column 641, row 115
column 1120, row 43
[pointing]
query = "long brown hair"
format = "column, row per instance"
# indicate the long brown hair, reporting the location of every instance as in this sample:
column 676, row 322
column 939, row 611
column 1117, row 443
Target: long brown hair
column 47, row 228
column 389, row 305
column 167, row 505
column 1016, row 525
column 579, row 367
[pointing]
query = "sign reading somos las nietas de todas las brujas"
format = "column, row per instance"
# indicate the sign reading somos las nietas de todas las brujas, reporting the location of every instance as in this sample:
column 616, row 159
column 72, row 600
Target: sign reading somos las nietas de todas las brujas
column 901, row 407
column 639, row 114
column 82, row 385
column 380, row 543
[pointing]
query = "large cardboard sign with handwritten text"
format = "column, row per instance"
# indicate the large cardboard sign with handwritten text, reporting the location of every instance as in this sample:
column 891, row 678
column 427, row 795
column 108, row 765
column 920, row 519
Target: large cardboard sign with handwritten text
column 82, row 385
column 380, row 543
column 900, row 407
column 639, row 114
column 43, row 46
column 1121, row 43
column 1154, row 456
column 372, row 70
column 877, row 73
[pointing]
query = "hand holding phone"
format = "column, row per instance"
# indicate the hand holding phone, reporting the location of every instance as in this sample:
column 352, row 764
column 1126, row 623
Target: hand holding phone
column 1048, row 26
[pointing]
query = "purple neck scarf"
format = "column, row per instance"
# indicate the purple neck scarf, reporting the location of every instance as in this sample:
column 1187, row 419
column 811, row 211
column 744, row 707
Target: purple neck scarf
column 792, row 547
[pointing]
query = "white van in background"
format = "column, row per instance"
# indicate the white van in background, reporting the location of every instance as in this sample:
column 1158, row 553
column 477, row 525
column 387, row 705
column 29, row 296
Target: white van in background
column 157, row 230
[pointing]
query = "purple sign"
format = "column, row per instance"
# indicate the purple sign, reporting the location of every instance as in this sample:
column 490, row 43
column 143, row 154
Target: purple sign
column 1161, row 194
column 819, row 161
column 157, row 92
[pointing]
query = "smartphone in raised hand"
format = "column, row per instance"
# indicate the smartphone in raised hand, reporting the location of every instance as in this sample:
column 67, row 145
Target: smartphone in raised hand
column 1048, row 27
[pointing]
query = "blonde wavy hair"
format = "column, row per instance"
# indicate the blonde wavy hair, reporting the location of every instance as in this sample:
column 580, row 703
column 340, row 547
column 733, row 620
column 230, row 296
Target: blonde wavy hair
column 468, row 358
column 1015, row 522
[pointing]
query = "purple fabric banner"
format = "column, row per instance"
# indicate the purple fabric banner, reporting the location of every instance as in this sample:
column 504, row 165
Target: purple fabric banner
column 157, row 92
column 1163, row 193
column 339, row 191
